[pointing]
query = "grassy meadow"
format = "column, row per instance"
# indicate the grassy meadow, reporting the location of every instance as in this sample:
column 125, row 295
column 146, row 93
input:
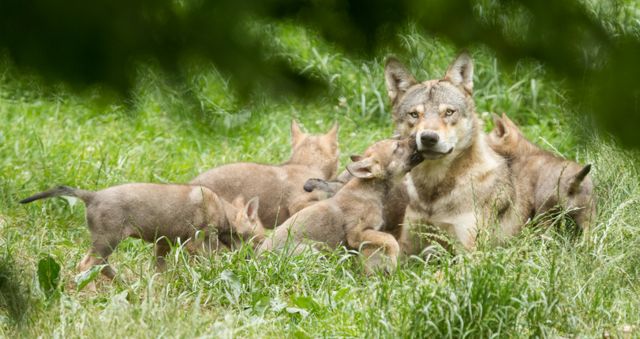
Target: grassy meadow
column 548, row 283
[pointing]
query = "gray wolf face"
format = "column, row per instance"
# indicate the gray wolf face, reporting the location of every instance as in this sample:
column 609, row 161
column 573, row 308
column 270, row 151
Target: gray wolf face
column 386, row 159
column 440, row 113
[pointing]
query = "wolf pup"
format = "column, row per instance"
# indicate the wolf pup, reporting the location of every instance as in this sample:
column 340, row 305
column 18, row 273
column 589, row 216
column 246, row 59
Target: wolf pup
column 153, row 211
column 354, row 216
column 544, row 180
column 463, row 186
column 279, row 187
column 394, row 207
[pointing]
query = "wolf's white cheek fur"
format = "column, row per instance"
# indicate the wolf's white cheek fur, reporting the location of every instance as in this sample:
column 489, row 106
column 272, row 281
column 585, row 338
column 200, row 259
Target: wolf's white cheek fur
column 466, row 138
column 419, row 141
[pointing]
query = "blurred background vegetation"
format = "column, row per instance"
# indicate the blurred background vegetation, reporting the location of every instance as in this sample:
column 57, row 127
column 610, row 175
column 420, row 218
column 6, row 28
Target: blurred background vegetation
column 592, row 45
column 97, row 94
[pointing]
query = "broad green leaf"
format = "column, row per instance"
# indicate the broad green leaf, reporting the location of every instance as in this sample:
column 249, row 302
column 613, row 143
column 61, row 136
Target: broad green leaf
column 305, row 302
column 84, row 278
column 48, row 275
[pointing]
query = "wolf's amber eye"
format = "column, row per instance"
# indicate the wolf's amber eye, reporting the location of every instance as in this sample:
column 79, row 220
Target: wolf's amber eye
column 413, row 114
column 449, row 112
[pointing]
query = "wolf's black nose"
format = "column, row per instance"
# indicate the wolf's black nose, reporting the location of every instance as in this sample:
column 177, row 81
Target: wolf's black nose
column 429, row 138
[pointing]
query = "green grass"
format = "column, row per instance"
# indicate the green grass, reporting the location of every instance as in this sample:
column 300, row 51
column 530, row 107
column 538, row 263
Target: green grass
column 543, row 283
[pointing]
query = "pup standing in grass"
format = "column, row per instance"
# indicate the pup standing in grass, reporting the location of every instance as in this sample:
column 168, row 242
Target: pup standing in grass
column 154, row 211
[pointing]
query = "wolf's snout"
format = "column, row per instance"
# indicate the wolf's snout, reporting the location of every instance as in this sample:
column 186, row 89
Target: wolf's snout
column 427, row 139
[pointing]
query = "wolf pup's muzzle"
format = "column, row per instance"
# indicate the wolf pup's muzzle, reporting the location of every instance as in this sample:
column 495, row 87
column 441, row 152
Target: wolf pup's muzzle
column 416, row 156
column 416, row 159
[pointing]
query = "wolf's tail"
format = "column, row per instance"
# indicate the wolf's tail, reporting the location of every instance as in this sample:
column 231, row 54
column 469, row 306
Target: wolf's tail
column 86, row 196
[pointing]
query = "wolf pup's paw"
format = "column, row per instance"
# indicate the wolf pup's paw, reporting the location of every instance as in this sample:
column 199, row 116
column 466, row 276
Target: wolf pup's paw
column 379, row 262
column 316, row 184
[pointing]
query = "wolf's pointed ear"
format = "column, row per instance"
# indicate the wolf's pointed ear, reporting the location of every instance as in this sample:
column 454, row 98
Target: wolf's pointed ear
column 333, row 132
column 296, row 133
column 509, row 123
column 361, row 169
column 460, row 72
column 499, row 127
column 251, row 209
column 579, row 178
column 397, row 78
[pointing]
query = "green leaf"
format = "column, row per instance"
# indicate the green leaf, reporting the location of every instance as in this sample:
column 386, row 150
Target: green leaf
column 84, row 278
column 261, row 303
column 305, row 302
column 48, row 275
column 341, row 293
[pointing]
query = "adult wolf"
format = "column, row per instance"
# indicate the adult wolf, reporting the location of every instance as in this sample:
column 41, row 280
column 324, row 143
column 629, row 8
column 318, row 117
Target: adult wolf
column 462, row 186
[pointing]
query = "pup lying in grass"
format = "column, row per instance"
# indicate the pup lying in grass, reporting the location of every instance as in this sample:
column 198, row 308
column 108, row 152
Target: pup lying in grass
column 544, row 181
column 354, row 216
column 153, row 211
column 279, row 187
column 394, row 207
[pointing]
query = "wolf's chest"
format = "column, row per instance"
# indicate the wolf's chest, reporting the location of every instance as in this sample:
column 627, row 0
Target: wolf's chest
column 449, row 197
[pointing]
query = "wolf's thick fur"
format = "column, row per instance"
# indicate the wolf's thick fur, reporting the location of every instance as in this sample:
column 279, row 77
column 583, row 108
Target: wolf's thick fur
column 279, row 187
column 354, row 216
column 463, row 186
column 153, row 211
column 543, row 180
column 393, row 209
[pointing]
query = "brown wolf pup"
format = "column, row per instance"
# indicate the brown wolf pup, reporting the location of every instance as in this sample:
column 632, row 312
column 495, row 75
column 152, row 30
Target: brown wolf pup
column 354, row 216
column 463, row 186
column 153, row 211
column 544, row 180
column 394, row 207
column 279, row 187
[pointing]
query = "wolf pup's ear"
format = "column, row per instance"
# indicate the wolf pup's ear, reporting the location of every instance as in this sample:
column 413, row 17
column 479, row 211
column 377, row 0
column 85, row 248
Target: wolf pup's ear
column 499, row 128
column 333, row 132
column 578, row 179
column 361, row 169
column 397, row 78
column 460, row 72
column 296, row 133
column 509, row 124
column 251, row 209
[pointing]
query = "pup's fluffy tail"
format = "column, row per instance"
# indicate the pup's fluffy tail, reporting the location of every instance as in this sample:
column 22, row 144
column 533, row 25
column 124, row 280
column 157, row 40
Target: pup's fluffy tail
column 58, row 191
